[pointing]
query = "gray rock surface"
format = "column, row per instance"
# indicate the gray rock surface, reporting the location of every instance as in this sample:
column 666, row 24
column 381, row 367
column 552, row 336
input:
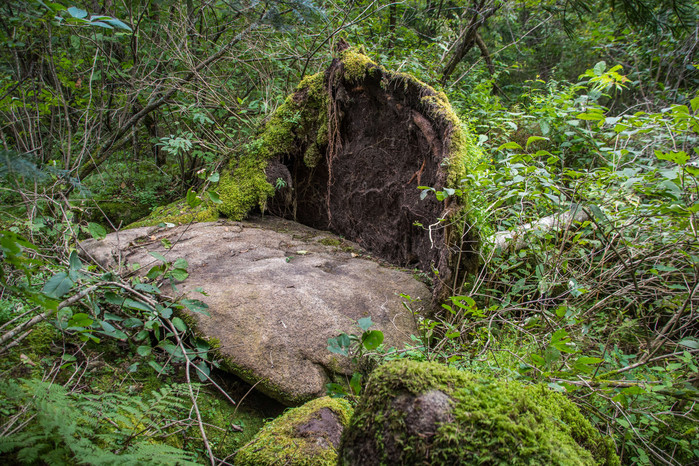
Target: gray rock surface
column 276, row 291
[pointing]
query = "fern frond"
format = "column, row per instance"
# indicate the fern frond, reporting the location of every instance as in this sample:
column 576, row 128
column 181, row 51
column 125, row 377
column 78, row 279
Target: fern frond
column 73, row 428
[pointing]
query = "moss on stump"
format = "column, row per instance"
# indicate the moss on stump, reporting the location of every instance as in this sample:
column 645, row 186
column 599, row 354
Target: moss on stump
column 427, row 413
column 305, row 436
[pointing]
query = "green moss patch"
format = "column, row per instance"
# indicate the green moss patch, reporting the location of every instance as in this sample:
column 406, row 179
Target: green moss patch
column 178, row 213
column 303, row 436
column 411, row 411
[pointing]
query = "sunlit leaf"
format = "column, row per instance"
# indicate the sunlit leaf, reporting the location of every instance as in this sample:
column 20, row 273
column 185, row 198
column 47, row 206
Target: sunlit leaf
column 372, row 340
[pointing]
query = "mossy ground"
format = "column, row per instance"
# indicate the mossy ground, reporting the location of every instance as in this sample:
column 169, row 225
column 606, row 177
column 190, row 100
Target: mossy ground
column 277, row 443
column 494, row 422
column 113, row 367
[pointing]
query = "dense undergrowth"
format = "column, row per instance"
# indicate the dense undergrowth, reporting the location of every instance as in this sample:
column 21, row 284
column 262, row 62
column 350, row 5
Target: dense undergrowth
column 587, row 198
column 590, row 283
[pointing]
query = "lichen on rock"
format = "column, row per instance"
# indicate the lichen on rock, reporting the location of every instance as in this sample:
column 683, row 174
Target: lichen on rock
column 305, row 436
column 411, row 411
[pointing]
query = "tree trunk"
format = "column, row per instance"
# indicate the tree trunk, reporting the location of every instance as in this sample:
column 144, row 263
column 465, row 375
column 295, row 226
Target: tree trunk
column 482, row 10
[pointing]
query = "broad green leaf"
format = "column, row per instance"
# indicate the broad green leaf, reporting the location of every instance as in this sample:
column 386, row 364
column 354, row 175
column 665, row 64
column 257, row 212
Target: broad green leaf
column 202, row 346
column 590, row 116
column 691, row 343
column 537, row 360
column 133, row 322
column 100, row 24
column 53, row 6
column 179, row 275
column 117, row 24
column 174, row 350
column 80, row 320
column 179, row 324
column 586, row 364
column 144, row 350
column 694, row 103
column 97, row 231
column 195, row 305
column 113, row 298
column 192, row 198
column 559, row 335
column 214, row 197
column 588, row 360
column 680, row 158
column 335, row 346
column 77, row 12
column 146, row 288
column 344, row 340
column 372, row 340
column 137, row 305
column 561, row 341
column 555, row 199
column 158, row 256
column 155, row 272
column 109, row 328
column 204, row 372
column 180, row 264
column 75, row 262
column 533, row 139
column 214, row 177
column 58, row 285
column 510, row 145
column 598, row 213
column 118, row 334
column 365, row 323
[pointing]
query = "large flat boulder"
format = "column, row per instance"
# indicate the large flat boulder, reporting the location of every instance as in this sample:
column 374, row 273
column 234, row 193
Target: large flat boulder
column 276, row 290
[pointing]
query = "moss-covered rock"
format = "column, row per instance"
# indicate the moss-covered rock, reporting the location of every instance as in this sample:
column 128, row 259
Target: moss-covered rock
column 304, row 436
column 415, row 411
column 178, row 213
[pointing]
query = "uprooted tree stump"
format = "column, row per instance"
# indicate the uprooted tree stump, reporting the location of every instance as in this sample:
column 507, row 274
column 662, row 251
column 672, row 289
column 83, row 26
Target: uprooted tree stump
column 346, row 152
